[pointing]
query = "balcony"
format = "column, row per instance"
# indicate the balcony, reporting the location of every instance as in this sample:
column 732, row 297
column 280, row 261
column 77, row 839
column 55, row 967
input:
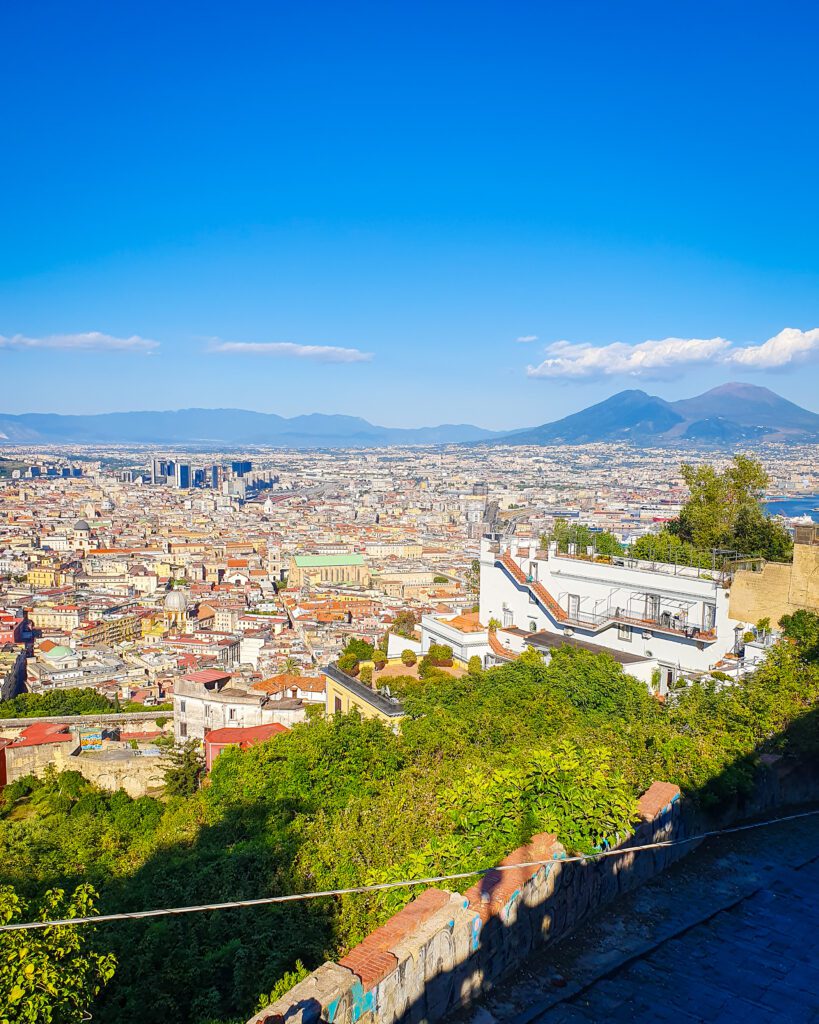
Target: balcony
column 665, row 622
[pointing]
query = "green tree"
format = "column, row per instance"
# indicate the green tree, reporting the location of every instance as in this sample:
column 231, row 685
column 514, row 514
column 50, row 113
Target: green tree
column 184, row 769
column 362, row 650
column 724, row 510
column 668, row 547
column 802, row 629
column 408, row 657
column 439, row 654
column 347, row 663
column 602, row 542
column 50, row 975
column 475, row 665
column 85, row 701
column 404, row 624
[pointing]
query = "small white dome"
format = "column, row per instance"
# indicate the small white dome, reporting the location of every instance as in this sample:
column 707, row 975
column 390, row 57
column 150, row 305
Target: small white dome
column 176, row 601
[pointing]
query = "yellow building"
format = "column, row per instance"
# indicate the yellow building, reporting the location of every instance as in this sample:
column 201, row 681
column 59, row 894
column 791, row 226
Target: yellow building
column 43, row 577
column 344, row 694
column 114, row 630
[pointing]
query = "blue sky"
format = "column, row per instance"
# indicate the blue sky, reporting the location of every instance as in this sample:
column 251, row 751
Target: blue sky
column 360, row 207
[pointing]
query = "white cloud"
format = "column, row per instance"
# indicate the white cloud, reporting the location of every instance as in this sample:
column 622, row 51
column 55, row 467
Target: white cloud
column 319, row 353
column 525, row 339
column 658, row 358
column 789, row 346
column 89, row 341
column 649, row 358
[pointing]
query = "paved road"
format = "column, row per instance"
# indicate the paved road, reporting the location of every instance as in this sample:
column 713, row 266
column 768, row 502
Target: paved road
column 728, row 935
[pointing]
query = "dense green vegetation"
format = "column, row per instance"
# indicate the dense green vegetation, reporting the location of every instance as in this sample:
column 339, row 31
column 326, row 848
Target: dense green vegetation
column 601, row 541
column 724, row 512
column 49, row 976
column 482, row 762
column 86, row 701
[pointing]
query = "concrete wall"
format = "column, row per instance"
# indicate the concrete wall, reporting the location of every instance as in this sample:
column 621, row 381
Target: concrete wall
column 444, row 948
column 778, row 589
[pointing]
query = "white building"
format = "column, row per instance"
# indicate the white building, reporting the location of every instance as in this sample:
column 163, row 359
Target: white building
column 210, row 699
column 466, row 634
column 666, row 617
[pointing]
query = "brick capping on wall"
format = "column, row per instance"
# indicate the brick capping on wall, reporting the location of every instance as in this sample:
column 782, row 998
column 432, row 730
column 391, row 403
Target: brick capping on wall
column 443, row 949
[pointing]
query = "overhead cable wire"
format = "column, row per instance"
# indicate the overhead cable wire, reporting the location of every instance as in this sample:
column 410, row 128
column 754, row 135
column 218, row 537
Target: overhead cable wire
column 136, row 915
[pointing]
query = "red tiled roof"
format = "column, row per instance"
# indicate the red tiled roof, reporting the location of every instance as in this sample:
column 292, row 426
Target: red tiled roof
column 42, row 732
column 244, row 737
column 312, row 684
column 207, row 675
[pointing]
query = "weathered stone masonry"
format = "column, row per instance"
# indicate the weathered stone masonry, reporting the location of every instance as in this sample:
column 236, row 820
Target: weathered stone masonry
column 444, row 948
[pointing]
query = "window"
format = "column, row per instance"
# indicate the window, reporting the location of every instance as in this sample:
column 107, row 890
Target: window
column 623, row 632
column 709, row 617
column 337, row 704
column 231, row 714
column 508, row 618
column 182, row 707
column 573, row 606
column 183, row 729
column 532, row 626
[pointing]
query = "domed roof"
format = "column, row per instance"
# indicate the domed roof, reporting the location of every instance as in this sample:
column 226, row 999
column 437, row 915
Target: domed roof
column 81, row 526
column 60, row 652
column 176, row 601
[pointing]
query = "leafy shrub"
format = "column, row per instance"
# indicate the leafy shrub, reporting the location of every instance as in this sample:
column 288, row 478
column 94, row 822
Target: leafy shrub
column 439, row 655
column 360, row 649
column 408, row 657
column 347, row 663
column 287, row 981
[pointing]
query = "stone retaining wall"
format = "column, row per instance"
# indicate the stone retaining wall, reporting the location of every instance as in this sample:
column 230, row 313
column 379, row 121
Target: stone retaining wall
column 130, row 721
column 443, row 949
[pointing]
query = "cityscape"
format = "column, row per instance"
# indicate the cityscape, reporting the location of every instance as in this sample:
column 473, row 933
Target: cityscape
column 409, row 514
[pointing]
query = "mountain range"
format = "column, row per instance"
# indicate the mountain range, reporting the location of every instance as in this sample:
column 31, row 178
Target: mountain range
column 223, row 427
column 723, row 416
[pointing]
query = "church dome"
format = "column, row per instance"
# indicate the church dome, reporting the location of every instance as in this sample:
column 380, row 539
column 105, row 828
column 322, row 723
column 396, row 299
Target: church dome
column 60, row 653
column 81, row 526
column 176, row 601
